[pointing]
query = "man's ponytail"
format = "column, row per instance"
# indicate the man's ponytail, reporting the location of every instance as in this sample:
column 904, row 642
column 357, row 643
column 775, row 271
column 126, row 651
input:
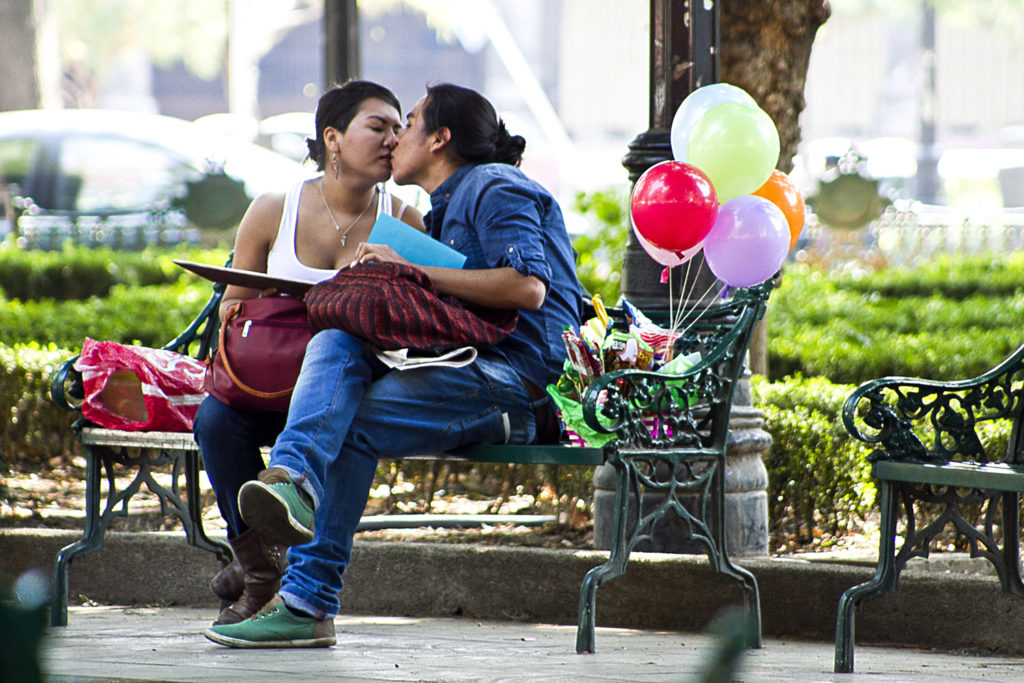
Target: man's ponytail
column 478, row 136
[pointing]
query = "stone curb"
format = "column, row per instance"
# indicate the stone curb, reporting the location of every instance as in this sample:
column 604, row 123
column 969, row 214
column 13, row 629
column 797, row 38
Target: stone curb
column 937, row 609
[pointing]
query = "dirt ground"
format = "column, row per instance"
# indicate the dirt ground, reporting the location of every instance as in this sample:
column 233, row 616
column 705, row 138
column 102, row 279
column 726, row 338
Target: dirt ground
column 53, row 496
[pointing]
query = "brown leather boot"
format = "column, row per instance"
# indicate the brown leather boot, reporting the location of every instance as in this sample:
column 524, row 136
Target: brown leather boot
column 264, row 564
column 229, row 582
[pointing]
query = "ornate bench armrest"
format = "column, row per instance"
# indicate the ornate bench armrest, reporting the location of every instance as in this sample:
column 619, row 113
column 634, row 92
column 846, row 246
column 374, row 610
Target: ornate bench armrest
column 66, row 386
column 934, row 421
column 654, row 410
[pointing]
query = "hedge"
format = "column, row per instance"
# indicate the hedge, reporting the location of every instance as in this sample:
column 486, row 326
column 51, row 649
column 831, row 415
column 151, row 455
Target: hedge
column 957, row 320
column 849, row 330
column 33, row 428
column 818, row 476
column 77, row 272
column 150, row 316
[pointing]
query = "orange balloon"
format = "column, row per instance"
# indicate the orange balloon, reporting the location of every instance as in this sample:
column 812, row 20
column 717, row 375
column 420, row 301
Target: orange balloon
column 783, row 194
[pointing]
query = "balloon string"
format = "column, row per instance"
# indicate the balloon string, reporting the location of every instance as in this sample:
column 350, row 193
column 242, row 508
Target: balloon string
column 706, row 308
column 689, row 293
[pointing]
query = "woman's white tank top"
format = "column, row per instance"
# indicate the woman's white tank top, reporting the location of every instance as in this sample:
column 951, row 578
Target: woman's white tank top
column 282, row 261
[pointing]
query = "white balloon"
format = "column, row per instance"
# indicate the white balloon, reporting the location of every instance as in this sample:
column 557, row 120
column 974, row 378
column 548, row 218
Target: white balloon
column 693, row 108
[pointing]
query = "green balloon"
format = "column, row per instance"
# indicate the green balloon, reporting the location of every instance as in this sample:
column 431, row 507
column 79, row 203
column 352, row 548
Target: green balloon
column 737, row 147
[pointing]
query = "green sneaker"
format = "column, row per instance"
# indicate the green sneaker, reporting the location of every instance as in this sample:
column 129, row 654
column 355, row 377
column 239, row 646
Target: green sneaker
column 275, row 626
column 277, row 508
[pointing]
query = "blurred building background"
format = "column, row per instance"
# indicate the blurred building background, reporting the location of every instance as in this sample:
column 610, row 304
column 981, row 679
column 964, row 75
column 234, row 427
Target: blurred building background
column 571, row 76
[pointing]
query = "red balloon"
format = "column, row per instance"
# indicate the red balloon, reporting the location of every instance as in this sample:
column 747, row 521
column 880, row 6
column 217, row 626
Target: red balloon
column 664, row 256
column 674, row 205
column 781, row 192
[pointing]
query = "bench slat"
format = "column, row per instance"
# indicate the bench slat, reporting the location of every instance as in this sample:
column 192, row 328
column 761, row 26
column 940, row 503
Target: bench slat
column 96, row 436
column 996, row 476
column 552, row 454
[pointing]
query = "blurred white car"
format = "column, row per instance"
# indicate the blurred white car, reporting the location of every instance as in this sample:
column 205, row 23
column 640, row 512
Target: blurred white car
column 100, row 161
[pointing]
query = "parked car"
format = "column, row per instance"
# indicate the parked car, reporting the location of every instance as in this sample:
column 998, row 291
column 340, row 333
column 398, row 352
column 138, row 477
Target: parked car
column 76, row 162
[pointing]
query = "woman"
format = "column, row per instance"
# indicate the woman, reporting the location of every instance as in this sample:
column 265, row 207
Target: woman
column 307, row 233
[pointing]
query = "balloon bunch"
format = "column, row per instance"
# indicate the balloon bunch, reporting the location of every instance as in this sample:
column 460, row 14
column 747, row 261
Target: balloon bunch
column 721, row 192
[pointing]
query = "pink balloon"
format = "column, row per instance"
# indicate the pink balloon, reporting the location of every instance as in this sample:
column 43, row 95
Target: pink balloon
column 664, row 256
column 673, row 205
column 749, row 241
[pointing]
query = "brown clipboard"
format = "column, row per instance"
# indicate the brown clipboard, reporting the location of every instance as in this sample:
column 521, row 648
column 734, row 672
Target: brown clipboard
column 245, row 278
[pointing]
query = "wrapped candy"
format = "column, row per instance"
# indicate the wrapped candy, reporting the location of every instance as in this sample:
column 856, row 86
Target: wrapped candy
column 658, row 338
column 622, row 350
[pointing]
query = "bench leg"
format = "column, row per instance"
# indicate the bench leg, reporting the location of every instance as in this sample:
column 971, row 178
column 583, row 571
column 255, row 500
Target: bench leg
column 1012, row 582
column 194, row 530
column 721, row 563
column 614, row 567
column 92, row 539
column 883, row 582
column 100, row 459
column 751, row 596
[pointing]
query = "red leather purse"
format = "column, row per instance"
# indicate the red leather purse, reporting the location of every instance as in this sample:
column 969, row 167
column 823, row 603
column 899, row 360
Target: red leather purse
column 262, row 343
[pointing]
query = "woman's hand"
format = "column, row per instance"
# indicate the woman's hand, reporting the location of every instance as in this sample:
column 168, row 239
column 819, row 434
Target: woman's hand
column 368, row 252
column 493, row 287
column 227, row 307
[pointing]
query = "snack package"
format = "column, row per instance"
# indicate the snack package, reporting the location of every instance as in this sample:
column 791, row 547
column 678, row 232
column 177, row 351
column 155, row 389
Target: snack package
column 680, row 364
column 658, row 338
column 580, row 356
column 593, row 332
column 623, row 350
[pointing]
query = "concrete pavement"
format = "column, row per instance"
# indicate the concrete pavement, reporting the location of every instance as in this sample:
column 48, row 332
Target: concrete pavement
column 165, row 644
column 450, row 612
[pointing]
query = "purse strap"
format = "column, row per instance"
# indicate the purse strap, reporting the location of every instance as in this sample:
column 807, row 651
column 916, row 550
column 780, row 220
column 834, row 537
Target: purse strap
column 223, row 351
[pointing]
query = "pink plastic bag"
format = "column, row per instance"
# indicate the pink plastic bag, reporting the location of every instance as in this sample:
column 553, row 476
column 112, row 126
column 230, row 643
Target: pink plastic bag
column 136, row 388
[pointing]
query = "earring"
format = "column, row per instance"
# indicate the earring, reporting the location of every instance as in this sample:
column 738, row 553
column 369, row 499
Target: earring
column 334, row 164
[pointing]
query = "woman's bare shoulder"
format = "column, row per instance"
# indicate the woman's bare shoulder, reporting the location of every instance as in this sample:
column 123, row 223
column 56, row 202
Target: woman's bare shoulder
column 267, row 205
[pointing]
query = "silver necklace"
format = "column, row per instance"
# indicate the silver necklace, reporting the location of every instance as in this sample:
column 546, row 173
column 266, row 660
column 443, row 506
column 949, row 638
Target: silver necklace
column 331, row 213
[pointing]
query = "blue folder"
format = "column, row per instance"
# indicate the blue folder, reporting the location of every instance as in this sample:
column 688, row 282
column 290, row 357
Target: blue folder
column 413, row 245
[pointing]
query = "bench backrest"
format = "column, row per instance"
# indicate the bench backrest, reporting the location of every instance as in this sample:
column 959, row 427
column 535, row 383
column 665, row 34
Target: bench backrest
column 931, row 421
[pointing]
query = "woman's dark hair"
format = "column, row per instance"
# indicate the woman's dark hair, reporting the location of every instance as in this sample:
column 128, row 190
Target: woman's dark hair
column 338, row 106
column 478, row 135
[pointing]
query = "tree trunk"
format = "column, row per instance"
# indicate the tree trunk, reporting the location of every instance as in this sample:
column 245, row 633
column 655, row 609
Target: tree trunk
column 766, row 49
column 18, row 72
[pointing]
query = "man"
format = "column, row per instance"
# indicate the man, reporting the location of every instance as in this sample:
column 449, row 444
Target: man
column 346, row 412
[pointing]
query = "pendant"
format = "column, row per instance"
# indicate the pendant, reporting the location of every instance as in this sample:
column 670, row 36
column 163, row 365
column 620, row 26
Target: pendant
column 342, row 240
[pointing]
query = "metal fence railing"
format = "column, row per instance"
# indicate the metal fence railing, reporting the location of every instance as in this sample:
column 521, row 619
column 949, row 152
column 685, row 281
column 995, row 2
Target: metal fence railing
column 910, row 233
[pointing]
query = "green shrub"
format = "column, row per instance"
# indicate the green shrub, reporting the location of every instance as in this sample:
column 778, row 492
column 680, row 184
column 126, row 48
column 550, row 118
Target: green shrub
column 818, row 476
column 843, row 328
column 80, row 273
column 599, row 261
column 952, row 276
column 33, row 429
column 151, row 316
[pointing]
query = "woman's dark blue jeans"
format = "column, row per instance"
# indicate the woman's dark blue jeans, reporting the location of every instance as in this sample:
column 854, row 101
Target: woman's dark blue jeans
column 230, row 441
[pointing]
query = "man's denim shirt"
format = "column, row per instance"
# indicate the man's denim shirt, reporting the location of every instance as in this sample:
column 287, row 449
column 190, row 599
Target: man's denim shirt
column 498, row 217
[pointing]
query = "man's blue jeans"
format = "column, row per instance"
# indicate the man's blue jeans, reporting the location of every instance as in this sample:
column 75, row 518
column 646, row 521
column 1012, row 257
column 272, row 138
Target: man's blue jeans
column 346, row 413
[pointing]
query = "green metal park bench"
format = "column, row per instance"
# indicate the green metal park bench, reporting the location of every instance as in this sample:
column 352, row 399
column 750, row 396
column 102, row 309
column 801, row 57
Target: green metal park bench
column 682, row 460
column 927, row 450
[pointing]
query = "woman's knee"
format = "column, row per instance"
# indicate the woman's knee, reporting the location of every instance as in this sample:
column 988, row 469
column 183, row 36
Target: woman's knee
column 213, row 416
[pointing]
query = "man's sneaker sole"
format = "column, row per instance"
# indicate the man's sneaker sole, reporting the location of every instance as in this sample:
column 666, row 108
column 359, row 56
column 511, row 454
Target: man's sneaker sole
column 229, row 641
column 267, row 512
